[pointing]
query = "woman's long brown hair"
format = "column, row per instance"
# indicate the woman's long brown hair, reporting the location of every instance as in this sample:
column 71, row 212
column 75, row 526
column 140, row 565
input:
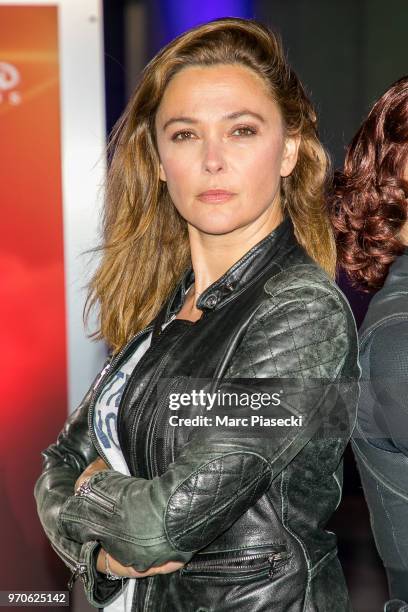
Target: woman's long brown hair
column 145, row 248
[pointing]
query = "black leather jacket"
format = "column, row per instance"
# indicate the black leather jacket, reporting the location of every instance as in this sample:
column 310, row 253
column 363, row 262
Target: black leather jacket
column 380, row 438
column 382, row 413
column 243, row 507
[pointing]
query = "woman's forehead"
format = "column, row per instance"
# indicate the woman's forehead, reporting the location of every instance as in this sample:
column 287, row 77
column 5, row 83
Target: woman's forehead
column 218, row 91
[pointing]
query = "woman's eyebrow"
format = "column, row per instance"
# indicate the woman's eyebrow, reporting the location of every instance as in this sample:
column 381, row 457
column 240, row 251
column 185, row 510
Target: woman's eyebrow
column 245, row 112
column 177, row 119
column 235, row 115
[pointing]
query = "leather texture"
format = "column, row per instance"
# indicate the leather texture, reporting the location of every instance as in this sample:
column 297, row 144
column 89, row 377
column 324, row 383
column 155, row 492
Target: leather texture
column 244, row 508
column 379, row 440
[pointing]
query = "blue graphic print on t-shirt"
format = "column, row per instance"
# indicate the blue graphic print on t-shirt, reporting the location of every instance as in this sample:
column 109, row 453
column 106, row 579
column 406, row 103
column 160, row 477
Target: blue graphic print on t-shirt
column 107, row 405
column 105, row 427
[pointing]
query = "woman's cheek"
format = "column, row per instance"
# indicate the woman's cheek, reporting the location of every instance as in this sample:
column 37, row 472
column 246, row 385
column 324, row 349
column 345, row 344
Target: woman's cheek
column 179, row 167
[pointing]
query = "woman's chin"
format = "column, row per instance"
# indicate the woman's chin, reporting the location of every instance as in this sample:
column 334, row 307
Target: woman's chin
column 215, row 228
column 216, row 223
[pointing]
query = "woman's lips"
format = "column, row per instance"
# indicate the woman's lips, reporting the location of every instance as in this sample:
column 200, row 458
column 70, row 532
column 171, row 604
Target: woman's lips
column 215, row 195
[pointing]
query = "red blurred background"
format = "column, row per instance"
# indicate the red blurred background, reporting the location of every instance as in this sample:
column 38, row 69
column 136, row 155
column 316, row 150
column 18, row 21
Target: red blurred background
column 33, row 384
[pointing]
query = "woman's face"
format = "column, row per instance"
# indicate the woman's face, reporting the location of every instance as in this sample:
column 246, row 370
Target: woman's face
column 218, row 129
column 404, row 231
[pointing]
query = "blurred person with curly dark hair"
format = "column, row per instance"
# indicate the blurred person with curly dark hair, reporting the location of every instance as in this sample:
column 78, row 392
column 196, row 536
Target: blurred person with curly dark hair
column 370, row 219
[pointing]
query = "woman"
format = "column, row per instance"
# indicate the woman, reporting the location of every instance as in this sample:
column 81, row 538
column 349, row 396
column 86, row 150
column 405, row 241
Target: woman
column 215, row 281
column 370, row 216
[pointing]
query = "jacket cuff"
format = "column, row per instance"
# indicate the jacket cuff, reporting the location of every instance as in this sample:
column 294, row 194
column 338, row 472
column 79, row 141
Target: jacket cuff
column 99, row 590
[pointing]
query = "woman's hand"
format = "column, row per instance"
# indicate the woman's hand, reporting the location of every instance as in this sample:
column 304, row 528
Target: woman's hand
column 114, row 566
column 95, row 466
column 128, row 572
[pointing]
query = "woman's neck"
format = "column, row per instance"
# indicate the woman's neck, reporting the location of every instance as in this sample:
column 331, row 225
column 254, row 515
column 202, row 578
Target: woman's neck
column 213, row 254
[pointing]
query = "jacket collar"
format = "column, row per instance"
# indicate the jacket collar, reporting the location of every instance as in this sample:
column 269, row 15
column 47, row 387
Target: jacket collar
column 251, row 265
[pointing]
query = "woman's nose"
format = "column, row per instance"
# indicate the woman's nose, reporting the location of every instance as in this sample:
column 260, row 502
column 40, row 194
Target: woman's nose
column 213, row 157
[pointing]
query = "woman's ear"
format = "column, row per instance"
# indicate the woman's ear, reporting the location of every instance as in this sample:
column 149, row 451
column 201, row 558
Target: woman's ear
column 290, row 154
column 162, row 174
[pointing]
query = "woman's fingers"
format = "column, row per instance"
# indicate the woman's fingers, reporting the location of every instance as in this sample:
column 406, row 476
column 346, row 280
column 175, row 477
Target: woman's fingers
column 166, row 568
column 119, row 569
column 129, row 572
column 96, row 466
column 99, row 464
column 114, row 566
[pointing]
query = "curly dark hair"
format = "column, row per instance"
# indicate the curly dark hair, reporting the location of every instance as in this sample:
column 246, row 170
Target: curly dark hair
column 369, row 202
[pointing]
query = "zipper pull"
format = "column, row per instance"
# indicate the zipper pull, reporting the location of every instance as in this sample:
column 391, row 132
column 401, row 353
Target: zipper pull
column 273, row 559
column 74, row 576
column 80, row 569
column 105, row 369
column 83, row 489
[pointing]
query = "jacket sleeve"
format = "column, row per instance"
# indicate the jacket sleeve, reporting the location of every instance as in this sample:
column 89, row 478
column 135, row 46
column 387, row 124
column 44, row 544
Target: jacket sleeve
column 63, row 462
column 301, row 335
column 389, row 381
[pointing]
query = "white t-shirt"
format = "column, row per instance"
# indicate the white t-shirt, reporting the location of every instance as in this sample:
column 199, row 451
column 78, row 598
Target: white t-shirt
column 105, row 424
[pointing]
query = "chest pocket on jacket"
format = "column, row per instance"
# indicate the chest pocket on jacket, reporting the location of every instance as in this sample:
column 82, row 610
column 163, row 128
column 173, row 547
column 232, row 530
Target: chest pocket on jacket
column 238, row 566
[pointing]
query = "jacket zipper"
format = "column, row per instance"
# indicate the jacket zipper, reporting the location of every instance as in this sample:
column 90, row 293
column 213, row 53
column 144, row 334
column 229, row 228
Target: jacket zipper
column 98, row 497
column 76, row 568
column 81, row 569
column 151, row 438
column 99, row 385
column 139, row 408
column 237, row 563
column 130, row 385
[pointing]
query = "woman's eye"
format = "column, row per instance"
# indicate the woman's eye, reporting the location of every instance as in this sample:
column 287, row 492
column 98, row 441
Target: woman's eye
column 187, row 135
column 245, row 131
column 181, row 135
